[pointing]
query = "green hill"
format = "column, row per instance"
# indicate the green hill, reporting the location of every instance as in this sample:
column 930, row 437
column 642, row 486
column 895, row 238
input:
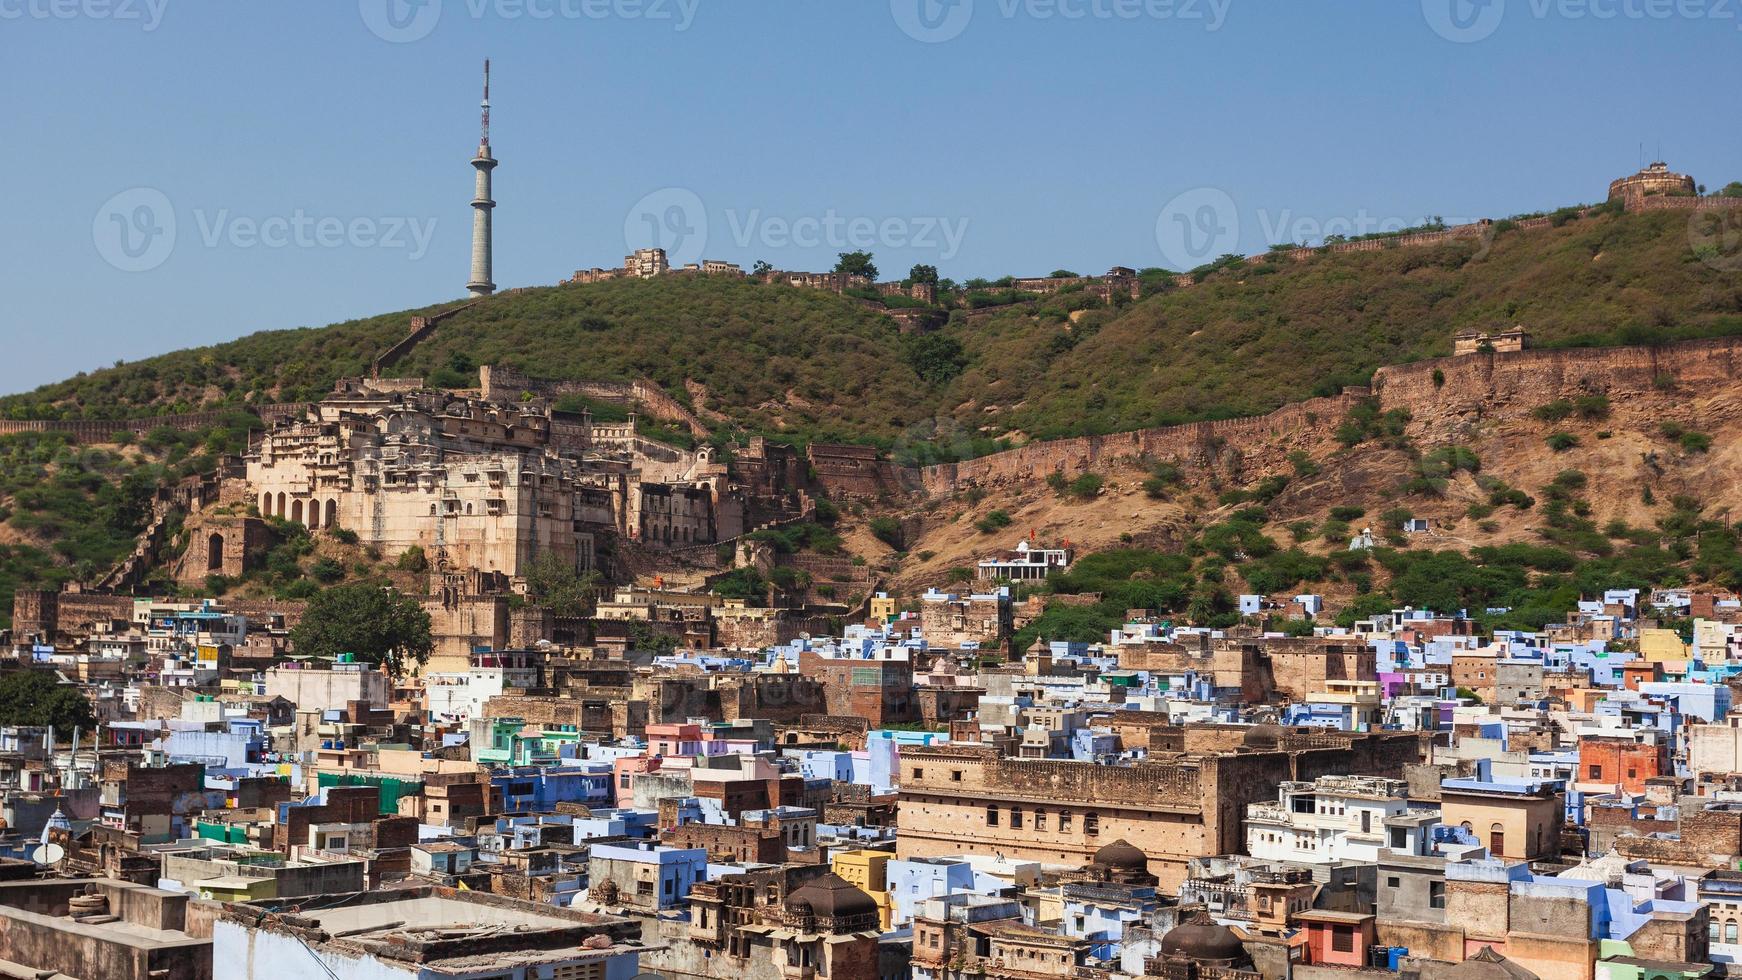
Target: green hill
column 804, row 364
column 800, row 364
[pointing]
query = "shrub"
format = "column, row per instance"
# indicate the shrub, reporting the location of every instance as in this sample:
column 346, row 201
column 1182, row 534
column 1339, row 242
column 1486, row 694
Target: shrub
column 1560, row 442
column 412, row 560
column 993, row 522
column 887, row 530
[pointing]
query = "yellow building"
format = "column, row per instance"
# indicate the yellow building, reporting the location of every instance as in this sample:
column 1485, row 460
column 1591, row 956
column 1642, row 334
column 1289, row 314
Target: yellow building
column 1661, row 646
column 883, row 607
column 237, row 888
column 868, row 872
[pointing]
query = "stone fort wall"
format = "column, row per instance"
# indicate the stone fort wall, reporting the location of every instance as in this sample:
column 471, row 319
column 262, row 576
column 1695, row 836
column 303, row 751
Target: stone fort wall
column 1303, row 422
column 1488, row 384
column 105, row 430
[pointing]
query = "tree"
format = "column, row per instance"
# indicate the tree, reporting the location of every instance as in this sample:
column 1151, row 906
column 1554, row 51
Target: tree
column 856, row 264
column 923, row 274
column 556, row 585
column 35, row 698
column 761, row 268
column 936, row 357
column 1063, row 274
column 381, row 626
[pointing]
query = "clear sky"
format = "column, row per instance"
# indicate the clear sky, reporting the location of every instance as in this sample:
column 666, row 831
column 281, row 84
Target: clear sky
column 311, row 156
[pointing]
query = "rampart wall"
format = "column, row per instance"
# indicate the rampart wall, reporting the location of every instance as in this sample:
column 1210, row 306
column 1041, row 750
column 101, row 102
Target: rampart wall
column 105, row 430
column 1300, row 422
column 1487, row 384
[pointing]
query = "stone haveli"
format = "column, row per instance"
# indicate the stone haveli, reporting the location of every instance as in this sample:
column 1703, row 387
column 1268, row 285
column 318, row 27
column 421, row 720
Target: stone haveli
column 967, row 799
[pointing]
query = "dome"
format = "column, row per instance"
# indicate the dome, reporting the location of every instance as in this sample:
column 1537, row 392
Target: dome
column 1263, row 736
column 1121, row 854
column 1488, row 965
column 1202, row 938
column 832, row 897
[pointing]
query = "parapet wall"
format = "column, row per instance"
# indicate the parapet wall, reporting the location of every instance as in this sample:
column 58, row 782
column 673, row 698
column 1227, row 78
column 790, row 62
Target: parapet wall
column 1302, row 422
column 105, row 430
column 1526, row 379
column 496, row 381
column 1513, row 382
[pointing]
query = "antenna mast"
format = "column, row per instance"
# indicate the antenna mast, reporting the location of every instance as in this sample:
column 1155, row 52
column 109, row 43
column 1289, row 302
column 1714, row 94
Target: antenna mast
column 485, row 105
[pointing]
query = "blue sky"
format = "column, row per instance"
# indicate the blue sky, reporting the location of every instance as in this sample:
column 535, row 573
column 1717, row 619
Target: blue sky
column 312, row 156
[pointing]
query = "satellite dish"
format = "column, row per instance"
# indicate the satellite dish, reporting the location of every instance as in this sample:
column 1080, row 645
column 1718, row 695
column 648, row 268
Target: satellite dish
column 46, row 854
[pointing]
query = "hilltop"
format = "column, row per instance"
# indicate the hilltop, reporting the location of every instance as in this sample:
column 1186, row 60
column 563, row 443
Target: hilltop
column 1247, row 337
column 809, row 365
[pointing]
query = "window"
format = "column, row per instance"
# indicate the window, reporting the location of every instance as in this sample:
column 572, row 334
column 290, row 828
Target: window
column 1040, row 820
column 1091, row 824
column 1342, row 939
column 1015, row 819
column 1436, row 895
column 1596, row 771
column 1730, row 931
column 955, row 775
column 1366, row 821
column 1392, row 881
column 918, row 773
column 1399, row 839
column 1065, row 822
column 991, row 816
column 1497, row 840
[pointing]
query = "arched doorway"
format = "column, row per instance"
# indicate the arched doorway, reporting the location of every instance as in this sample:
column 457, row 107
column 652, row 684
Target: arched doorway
column 296, row 512
column 332, row 517
column 266, row 505
column 215, row 552
column 280, row 511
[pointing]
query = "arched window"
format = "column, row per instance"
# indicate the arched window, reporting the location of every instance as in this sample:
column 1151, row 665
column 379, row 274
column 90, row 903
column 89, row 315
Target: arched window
column 1497, row 840
column 280, row 511
column 332, row 513
column 266, row 505
column 296, row 512
column 215, row 553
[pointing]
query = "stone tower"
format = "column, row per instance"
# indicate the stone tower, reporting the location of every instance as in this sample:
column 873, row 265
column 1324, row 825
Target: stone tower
column 482, row 205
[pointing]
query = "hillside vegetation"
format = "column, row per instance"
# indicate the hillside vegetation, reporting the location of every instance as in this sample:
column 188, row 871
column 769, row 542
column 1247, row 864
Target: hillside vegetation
column 807, row 365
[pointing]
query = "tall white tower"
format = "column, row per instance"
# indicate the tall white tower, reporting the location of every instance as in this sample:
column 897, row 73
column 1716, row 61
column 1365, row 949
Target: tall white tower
column 482, row 205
